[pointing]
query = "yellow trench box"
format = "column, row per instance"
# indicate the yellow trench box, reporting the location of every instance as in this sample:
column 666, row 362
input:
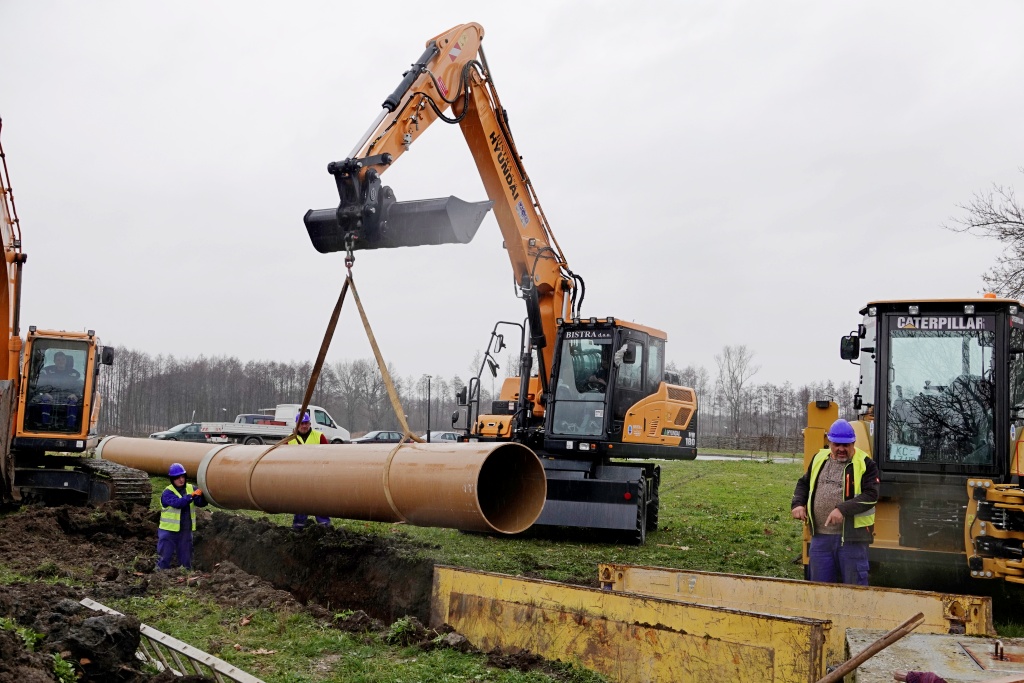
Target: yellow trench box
column 627, row 638
column 859, row 607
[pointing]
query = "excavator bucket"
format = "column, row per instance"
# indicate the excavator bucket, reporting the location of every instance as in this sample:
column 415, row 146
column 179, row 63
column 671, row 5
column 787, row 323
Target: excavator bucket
column 404, row 224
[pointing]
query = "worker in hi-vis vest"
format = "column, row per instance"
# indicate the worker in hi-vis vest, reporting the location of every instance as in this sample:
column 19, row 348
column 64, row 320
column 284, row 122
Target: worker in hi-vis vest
column 307, row 436
column 177, row 519
column 836, row 498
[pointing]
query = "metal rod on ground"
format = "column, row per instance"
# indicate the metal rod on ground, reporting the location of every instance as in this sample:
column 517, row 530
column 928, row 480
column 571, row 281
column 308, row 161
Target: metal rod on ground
column 874, row 648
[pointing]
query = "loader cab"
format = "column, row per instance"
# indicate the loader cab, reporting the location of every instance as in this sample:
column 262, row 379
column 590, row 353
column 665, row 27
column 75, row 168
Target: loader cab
column 942, row 378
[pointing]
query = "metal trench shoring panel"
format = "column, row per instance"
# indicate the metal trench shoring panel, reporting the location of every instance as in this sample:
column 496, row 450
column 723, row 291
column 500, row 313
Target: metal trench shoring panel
column 181, row 659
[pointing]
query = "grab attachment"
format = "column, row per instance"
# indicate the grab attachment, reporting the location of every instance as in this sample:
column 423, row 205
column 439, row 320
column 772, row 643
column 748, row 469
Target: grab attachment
column 369, row 213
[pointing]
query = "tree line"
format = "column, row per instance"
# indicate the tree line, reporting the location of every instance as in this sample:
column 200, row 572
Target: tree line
column 143, row 393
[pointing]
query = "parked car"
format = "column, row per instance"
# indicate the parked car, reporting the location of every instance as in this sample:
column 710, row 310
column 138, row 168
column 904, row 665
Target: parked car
column 379, row 436
column 442, row 437
column 189, row 431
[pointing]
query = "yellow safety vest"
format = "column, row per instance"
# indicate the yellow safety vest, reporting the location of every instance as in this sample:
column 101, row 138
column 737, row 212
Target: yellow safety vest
column 312, row 439
column 859, row 461
column 170, row 518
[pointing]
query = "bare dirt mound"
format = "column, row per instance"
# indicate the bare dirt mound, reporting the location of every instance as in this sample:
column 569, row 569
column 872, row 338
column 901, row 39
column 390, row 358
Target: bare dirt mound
column 110, row 552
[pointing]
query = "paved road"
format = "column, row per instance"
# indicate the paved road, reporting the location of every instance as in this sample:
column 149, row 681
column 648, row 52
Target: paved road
column 746, row 457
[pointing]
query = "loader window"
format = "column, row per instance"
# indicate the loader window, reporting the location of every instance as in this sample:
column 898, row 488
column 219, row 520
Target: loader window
column 584, row 372
column 56, row 386
column 940, row 395
column 1017, row 369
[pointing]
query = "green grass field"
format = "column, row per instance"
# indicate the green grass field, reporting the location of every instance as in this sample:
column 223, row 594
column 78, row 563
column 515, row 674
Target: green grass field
column 729, row 516
column 716, row 515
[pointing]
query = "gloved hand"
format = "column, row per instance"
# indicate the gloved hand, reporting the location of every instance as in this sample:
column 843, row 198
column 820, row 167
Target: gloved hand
column 197, row 493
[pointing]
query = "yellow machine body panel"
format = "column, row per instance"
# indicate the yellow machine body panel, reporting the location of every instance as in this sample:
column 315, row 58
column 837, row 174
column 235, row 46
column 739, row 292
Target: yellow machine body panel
column 661, row 418
column 628, row 638
column 846, row 606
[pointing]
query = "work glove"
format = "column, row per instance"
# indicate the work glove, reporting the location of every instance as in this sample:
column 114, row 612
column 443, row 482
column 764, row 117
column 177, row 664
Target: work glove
column 197, row 493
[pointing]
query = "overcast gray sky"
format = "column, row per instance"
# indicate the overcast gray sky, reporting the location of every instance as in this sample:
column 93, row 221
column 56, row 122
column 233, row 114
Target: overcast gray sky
column 729, row 172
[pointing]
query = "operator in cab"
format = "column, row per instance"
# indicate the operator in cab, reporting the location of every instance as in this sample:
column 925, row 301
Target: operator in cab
column 305, row 435
column 175, row 535
column 836, row 497
column 60, row 367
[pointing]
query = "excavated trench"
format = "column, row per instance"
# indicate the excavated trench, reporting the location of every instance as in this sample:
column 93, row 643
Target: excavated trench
column 384, row 577
column 109, row 553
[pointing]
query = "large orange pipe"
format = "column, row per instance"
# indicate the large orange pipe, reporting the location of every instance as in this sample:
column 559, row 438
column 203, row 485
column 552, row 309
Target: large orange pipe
column 473, row 486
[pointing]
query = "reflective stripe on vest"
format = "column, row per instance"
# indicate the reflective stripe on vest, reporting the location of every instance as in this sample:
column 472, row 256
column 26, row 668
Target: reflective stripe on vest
column 170, row 518
column 860, row 466
column 312, row 439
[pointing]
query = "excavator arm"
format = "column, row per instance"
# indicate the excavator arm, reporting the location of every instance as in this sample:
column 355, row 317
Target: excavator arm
column 452, row 76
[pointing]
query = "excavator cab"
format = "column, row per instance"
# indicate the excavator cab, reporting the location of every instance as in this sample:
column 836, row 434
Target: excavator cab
column 609, row 395
column 58, row 391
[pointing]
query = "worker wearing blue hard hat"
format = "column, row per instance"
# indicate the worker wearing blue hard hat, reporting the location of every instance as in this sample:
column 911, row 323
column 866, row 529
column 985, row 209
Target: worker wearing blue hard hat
column 836, row 498
column 174, row 536
column 306, row 435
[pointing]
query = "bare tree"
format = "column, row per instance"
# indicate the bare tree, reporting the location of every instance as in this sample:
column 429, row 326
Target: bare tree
column 997, row 214
column 735, row 368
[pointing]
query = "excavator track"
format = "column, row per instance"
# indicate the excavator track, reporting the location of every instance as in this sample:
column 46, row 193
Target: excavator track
column 130, row 485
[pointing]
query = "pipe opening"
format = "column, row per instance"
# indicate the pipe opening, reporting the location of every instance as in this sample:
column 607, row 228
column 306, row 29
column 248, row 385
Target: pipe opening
column 511, row 488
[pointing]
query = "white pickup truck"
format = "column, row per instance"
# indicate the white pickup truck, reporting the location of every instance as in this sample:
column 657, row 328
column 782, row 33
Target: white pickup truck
column 265, row 428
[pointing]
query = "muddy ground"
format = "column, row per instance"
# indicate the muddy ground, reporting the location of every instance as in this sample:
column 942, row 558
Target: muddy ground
column 240, row 562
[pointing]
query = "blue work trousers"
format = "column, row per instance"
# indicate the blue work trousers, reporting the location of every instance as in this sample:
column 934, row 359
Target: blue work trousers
column 832, row 561
column 299, row 521
column 169, row 543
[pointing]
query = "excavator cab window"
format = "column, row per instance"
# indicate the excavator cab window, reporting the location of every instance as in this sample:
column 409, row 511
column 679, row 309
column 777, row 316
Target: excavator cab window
column 629, row 378
column 56, row 386
column 584, row 372
column 655, row 364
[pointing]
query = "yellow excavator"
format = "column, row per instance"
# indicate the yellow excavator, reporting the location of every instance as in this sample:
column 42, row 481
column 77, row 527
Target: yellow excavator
column 591, row 390
column 941, row 410
column 48, row 399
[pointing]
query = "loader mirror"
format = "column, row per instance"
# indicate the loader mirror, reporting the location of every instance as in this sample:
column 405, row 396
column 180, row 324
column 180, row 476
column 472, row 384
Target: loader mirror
column 849, row 347
column 499, row 342
column 460, row 397
column 455, row 417
column 493, row 367
column 106, row 355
